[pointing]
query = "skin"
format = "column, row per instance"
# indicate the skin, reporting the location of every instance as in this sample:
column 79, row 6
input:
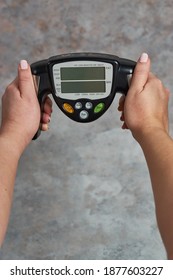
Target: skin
column 21, row 118
column 145, row 113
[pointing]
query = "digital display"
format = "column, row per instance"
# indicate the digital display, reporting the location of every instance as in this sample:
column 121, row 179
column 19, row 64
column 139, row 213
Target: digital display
column 76, row 79
column 82, row 73
column 83, row 87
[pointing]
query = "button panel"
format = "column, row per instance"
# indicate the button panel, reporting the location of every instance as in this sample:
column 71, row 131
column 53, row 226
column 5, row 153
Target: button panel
column 84, row 109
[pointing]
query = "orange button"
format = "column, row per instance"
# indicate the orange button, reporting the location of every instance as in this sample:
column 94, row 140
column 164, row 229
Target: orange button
column 68, row 108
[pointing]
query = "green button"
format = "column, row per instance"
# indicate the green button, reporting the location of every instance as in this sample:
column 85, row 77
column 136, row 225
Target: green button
column 99, row 107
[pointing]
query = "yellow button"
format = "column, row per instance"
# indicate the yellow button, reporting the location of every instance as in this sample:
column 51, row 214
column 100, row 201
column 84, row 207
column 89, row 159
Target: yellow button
column 68, row 108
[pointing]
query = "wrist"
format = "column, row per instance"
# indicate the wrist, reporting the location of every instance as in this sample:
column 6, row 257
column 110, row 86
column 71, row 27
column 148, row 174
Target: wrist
column 149, row 134
column 12, row 143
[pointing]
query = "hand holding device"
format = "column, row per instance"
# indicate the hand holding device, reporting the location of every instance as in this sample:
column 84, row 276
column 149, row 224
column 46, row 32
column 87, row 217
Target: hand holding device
column 83, row 85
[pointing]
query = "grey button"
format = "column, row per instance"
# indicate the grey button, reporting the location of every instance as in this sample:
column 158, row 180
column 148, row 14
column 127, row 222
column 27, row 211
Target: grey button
column 88, row 105
column 78, row 105
column 84, row 115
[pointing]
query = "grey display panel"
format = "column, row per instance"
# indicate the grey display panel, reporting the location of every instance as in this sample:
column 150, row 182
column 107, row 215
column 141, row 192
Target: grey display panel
column 82, row 79
column 82, row 73
column 83, row 87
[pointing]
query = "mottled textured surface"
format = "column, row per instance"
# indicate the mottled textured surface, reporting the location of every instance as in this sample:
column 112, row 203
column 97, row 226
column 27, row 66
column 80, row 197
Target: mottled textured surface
column 83, row 191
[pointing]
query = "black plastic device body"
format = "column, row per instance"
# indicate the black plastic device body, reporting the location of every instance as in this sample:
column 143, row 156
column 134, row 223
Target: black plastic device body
column 93, row 95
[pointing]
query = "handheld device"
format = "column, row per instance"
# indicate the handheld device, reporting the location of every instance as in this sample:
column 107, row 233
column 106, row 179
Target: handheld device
column 83, row 85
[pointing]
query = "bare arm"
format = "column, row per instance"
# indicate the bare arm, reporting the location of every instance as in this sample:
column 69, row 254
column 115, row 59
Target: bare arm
column 145, row 113
column 20, row 121
column 158, row 151
column 8, row 166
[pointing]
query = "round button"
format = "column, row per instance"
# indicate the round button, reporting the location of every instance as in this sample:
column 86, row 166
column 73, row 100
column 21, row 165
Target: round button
column 68, row 108
column 88, row 105
column 99, row 107
column 84, row 115
column 78, row 105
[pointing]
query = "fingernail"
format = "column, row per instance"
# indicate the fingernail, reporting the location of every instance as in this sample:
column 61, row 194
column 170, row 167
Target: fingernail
column 143, row 58
column 44, row 127
column 23, row 64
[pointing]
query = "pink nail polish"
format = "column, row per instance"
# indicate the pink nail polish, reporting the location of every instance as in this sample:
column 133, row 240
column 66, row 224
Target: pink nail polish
column 143, row 58
column 23, row 64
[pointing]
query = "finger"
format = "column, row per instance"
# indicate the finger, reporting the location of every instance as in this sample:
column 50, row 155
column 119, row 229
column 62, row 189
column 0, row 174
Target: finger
column 121, row 103
column 47, row 108
column 124, row 126
column 45, row 118
column 44, row 126
column 141, row 74
column 25, row 80
column 122, row 117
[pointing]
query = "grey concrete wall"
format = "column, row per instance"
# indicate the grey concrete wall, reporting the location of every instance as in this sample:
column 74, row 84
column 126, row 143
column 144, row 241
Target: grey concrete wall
column 82, row 190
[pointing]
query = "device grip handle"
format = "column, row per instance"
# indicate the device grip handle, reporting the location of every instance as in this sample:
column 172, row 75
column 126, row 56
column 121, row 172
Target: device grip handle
column 42, row 88
column 42, row 84
column 125, row 72
column 41, row 97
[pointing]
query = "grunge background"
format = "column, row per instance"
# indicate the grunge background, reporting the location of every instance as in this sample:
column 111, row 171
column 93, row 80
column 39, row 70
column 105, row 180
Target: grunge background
column 83, row 190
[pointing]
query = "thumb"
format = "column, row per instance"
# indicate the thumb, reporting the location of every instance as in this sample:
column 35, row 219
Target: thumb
column 141, row 73
column 25, row 80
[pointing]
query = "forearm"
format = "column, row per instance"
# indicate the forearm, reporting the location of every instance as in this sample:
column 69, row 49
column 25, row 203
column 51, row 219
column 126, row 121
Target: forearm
column 9, row 157
column 158, row 151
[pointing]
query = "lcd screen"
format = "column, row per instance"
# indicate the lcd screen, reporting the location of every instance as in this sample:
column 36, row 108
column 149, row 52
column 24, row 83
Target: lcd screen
column 82, row 73
column 83, row 87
